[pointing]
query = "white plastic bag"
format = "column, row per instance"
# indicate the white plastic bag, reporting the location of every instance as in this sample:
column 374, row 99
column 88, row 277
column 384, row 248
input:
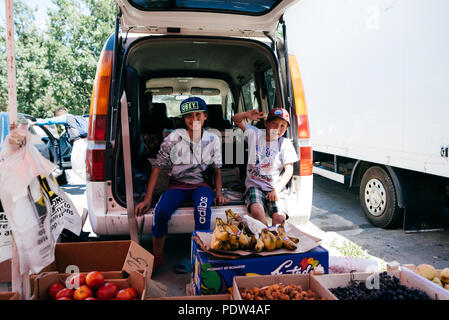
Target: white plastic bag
column 5, row 238
column 341, row 264
column 36, row 208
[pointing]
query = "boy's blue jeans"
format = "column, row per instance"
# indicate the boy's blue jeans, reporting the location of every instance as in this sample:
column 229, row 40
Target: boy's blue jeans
column 169, row 202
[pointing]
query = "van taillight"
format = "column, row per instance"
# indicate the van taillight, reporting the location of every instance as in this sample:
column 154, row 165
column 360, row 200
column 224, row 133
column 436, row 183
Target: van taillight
column 305, row 149
column 95, row 164
column 96, row 148
column 305, row 162
column 96, row 140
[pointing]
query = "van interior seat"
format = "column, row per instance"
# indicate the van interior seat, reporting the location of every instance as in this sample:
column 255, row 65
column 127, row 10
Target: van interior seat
column 215, row 117
column 159, row 119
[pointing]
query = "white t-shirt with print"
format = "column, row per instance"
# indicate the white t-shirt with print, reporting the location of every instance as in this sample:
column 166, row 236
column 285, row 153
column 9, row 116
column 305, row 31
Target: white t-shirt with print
column 266, row 160
column 187, row 160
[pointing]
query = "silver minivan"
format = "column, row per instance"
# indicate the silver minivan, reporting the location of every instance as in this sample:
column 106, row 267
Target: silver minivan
column 234, row 55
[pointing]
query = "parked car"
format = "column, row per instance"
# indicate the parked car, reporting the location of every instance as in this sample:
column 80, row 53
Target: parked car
column 52, row 146
column 232, row 54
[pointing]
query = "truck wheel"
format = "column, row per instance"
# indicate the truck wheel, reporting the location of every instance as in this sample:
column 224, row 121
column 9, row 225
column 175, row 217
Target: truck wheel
column 378, row 199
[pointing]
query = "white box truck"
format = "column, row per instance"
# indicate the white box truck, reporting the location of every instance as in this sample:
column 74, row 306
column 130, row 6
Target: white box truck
column 376, row 73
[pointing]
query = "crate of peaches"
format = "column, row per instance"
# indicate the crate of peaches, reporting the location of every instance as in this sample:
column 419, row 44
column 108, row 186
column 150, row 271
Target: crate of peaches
column 94, row 285
column 279, row 287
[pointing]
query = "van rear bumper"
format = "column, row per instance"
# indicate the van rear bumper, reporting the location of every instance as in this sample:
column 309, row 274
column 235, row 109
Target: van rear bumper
column 115, row 222
column 182, row 220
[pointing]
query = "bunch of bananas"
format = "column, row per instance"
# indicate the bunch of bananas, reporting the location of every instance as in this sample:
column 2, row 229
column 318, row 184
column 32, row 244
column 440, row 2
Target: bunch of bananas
column 230, row 235
column 235, row 234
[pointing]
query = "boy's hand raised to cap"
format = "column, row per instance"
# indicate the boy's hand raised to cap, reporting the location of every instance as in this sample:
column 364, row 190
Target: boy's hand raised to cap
column 255, row 115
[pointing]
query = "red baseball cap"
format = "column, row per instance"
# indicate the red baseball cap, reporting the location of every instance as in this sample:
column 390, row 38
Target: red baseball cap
column 279, row 113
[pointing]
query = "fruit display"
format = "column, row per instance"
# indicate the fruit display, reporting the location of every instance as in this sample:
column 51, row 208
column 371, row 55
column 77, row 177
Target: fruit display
column 430, row 273
column 90, row 286
column 278, row 292
column 389, row 288
column 234, row 234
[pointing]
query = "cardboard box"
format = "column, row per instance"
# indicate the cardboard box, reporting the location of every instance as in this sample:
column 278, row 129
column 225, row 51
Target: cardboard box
column 44, row 280
column 304, row 280
column 9, row 295
column 5, row 271
column 125, row 255
column 442, row 292
column 189, row 296
column 305, row 243
column 407, row 277
column 214, row 275
column 115, row 259
column 209, row 297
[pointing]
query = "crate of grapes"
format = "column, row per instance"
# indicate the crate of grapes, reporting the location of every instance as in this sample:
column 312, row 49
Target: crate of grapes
column 394, row 284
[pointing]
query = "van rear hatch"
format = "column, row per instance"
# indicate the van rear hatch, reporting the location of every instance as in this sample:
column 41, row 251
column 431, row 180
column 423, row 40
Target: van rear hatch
column 248, row 18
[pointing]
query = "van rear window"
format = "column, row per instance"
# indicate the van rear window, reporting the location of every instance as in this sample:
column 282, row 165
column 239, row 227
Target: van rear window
column 247, row 6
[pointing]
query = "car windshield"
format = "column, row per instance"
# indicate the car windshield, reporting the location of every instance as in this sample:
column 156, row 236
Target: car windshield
column 247, row 6
column 174, row 101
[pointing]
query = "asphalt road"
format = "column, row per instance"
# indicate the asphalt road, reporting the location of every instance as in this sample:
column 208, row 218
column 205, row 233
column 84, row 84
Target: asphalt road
column 337, row 212
column 336, row 218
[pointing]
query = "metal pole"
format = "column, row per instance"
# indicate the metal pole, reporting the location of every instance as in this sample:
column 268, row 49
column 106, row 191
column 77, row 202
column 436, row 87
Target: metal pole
column 132, row 221
column 20, row 284
column 11, row 63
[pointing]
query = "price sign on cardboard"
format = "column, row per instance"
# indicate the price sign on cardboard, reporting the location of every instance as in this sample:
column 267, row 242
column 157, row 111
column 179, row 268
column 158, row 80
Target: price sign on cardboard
column 138, row 259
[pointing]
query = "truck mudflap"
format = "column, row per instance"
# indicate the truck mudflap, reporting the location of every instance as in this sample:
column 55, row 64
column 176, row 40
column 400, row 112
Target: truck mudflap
column 424, row 203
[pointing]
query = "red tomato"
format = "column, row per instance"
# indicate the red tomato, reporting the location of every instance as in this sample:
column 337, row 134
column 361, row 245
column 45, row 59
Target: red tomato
column 108, row 291
column 64, row 298
column 54, row 288
column 91, row 298
column 132, row 293
column 94, row 279
column 66, row 292
column 82, row 293
column 123, row 294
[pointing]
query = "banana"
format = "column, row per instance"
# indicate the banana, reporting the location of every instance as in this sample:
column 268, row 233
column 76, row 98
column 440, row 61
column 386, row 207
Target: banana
column 295, row 240
column 232, row 228
column 252, row 242
column 220, row 232
column 289, row 244
column 233, row 234
column 226, row 246
column 279, row 242
column 269, row 240
column 232, row 214
column 233, row 238
column 259, row 246
column 231, row 219
column 215, row 243
column 243, row 240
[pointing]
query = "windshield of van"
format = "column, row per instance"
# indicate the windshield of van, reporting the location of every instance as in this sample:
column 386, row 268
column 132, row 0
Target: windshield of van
column 173, row 102
column 246, row 6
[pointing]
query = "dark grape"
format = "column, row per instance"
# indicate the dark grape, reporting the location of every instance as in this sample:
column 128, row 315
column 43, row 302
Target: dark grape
column 390, row 288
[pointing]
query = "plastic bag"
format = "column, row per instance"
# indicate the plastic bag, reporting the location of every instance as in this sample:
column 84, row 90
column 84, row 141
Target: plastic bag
column 36, row 208
column 5, row 237
column 341, row 264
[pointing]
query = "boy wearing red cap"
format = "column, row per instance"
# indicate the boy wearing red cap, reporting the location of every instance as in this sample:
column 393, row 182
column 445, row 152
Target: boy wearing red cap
column 270, row 164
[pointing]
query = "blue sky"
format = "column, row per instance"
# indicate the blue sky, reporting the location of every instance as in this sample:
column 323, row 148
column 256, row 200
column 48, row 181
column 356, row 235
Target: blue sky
column 40, row 15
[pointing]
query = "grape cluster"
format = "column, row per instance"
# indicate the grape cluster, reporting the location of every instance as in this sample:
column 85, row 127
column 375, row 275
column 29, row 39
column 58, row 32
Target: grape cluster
column 389, row 288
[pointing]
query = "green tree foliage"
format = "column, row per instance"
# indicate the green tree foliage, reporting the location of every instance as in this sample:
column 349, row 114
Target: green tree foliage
column 56, row 66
